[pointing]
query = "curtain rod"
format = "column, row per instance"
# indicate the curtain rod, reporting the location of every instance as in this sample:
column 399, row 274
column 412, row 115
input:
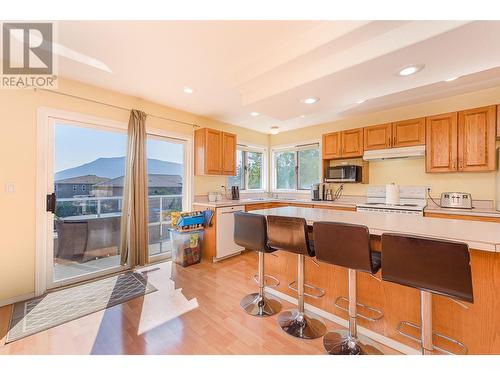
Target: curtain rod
column 112, row 105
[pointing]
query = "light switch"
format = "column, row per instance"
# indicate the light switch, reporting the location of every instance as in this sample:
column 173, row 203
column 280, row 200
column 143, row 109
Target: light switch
column 10, row 188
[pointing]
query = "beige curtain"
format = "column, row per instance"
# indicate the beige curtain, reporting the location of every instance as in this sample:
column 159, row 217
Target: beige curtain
column 134, row 223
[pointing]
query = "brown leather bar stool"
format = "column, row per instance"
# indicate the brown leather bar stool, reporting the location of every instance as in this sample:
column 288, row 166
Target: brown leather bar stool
column 348, row 246
column 250, row 232
column 290, row 234
column 434, row 267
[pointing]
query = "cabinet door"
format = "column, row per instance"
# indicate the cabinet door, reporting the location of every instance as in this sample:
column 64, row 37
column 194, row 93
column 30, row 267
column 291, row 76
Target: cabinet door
column 498, row 121
column 228, row 154
column 441, row 143
column 408, row 133
column 476, row 139
column 213, row 151
column 352, row 143
column 331, row 146
column 377, row 137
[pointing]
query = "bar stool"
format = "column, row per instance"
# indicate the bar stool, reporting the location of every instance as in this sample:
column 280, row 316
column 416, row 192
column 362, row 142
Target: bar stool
column 434, row 267
column 290, row 234
column 348, row 246
column 250, row 232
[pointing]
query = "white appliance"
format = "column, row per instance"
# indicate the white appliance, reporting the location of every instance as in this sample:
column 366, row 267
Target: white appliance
column 225, row 245
column 412, row 201
column 395, row 153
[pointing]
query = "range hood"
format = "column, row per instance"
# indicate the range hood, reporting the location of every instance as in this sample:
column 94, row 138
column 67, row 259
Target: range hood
column 395, row 153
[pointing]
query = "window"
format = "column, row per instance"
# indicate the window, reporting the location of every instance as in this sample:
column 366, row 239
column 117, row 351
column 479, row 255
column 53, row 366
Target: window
column 296, row 168
column 74, row 187
column 83, row 187
column 249, row 169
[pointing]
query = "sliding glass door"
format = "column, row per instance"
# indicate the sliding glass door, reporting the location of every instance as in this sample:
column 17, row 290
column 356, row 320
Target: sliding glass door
column 166, row 191
column 88, row 170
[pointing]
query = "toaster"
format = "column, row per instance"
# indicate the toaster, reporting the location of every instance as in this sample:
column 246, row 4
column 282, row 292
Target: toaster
column 456, row 200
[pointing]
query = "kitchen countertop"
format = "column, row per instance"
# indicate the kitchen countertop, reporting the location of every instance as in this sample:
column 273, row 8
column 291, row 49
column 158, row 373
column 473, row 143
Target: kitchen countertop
column 342, row 202
column 481, row 208
column 478, row 235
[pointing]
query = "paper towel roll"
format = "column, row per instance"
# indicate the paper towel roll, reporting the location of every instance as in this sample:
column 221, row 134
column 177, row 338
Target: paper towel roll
column 392, row 194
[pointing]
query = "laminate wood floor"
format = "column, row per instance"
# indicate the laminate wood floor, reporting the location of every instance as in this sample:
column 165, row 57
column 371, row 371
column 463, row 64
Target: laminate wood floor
column 195, row 311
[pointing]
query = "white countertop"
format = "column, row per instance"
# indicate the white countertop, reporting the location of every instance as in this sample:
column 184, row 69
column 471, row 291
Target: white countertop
column 244, row 201
column 478, row 235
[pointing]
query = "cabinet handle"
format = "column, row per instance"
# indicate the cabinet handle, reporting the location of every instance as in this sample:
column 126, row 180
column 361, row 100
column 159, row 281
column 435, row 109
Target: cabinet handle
column 394, row 141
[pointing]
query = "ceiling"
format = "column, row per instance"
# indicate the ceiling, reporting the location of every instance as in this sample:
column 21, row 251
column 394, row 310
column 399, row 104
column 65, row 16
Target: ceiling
column 239, row 67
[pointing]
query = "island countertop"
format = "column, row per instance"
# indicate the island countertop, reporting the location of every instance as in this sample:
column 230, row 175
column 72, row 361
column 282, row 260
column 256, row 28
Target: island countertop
column 478, row 235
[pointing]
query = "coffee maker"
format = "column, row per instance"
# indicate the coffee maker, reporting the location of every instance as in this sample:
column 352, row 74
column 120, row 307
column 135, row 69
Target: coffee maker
column 318, row 192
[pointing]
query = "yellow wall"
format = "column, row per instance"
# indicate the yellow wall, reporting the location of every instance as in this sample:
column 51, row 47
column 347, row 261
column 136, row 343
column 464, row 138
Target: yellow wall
column 18, row 111
column 410, row 171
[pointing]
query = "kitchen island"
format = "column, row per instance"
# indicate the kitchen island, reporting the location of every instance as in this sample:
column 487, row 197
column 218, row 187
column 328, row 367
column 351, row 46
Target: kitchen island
column 477, row 325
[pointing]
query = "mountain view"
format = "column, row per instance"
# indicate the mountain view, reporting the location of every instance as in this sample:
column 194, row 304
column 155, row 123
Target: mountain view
column 115, row 167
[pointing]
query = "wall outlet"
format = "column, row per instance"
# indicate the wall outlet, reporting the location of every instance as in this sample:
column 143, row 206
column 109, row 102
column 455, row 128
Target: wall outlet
column 10, row 188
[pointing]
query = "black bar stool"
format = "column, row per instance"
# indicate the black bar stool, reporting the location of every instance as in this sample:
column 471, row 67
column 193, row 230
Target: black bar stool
column 250, row 232
column 434, row 267
column 348, row 246
column 290, row 234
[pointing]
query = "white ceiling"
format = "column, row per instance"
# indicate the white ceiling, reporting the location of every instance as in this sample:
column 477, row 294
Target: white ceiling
column 238, row 67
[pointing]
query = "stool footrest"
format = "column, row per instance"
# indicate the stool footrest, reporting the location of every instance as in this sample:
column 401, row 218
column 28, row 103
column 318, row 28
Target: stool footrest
column 376, row 313
column 321, row 292
column 399, row 329
column 274, row 284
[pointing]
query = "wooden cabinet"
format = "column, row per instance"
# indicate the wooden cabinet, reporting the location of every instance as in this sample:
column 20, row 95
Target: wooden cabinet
column 228, row 154
column 214, row 152
column 377, row 137
column 408, row 133
column 498, row 121
column 463, row 141
column 332, row 145
column 441, row 133
column 352, row 143
column 476, row 139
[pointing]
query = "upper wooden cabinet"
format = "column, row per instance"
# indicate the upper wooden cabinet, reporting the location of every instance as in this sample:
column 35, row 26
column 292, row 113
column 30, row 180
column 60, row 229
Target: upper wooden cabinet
column 408, row 133
column 228, row 154
column 441, row 143
column 332, row 145
column 214, row 152
column 476, row 139
column 463, row 141
column 352, row 143
column 377, row 137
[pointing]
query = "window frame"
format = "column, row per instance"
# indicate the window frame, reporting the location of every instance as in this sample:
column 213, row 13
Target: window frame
column 245, row 149
column 308, row 145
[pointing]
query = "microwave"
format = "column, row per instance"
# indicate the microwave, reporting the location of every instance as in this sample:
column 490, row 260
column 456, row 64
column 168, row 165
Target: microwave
column 343, row 173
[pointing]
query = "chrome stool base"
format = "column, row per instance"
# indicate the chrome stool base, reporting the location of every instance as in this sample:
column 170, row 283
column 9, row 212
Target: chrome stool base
column 340, row 342
column 301, row 325
column 257, row 305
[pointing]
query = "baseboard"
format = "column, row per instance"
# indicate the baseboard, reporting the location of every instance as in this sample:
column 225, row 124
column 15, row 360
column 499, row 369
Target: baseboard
column 10, row 301
column 396, row 345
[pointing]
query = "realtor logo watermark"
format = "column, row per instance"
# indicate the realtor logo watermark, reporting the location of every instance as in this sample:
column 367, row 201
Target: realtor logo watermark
column 27, row 55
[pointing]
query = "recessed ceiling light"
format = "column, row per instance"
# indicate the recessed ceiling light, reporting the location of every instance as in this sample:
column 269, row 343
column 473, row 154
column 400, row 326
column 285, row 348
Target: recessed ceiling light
column 411, row 69
column 361, row 101
column 302, row 116
column 309, row 100
column 274, row 130
column 451, row 79
column 188, row 90
column 254, row 114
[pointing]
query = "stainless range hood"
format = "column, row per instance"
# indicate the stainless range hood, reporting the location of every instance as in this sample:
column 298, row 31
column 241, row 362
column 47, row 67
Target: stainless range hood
column 395, row 153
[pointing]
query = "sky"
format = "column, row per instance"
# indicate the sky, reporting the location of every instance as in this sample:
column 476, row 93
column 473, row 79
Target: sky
column 75, row 145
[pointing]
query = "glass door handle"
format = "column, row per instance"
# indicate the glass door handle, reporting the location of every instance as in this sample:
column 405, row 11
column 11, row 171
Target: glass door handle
column 51, row 203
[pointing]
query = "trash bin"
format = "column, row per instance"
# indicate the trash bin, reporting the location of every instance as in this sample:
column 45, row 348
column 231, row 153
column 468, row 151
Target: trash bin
column 186, row 246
